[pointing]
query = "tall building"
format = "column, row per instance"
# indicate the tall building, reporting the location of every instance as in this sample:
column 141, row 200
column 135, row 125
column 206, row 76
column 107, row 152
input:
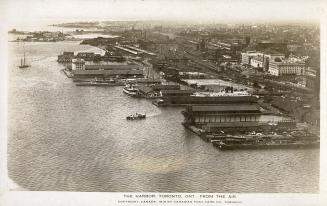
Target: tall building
column 270, row 55
column 286, row 67
column 260, row 59
column 247, row 56
column 257, row 61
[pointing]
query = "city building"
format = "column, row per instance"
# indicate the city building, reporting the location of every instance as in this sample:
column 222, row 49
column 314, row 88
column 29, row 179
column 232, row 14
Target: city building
column 246, row 57
column 290, row 66
column 78, row 64
column 87, row 56
column 66, row 57
column 270, row 55
column 257, row 61
column 260, row 59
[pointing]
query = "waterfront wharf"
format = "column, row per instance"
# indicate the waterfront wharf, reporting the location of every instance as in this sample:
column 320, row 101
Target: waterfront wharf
column 68, row 73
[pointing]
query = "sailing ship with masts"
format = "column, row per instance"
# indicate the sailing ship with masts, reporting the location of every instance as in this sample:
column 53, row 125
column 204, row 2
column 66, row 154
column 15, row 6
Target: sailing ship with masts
column 23, row 63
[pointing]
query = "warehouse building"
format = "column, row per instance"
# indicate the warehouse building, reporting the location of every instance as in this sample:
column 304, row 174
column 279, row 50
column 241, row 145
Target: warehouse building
column 222, row 115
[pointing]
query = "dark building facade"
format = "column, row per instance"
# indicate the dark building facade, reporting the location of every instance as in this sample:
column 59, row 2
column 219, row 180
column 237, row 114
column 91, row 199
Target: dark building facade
column 196, row 100
column 222, row 115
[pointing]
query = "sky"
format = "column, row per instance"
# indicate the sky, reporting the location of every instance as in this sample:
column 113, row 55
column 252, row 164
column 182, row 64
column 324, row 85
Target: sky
column 27, row 11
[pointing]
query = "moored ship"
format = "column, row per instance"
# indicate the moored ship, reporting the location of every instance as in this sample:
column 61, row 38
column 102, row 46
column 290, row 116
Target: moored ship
column 130, row 90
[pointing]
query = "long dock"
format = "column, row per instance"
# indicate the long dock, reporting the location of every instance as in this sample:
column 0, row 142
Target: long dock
column 68, row 73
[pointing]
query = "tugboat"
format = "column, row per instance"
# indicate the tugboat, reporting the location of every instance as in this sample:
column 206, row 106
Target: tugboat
column 136, row 116
column 130, row 90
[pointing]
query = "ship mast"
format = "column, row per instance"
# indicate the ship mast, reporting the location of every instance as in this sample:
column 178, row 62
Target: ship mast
column 23, row 60
column 24, row 57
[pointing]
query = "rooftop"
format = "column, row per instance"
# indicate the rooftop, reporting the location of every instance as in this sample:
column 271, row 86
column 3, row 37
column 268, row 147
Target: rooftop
column 78, row 60
column 227, row 107
column 291, row 61
column 219, row 94
column 107, row 72
column 166, row 87
column 127, row 50
column 177, row 91
column 145, row 89
column 111, row 66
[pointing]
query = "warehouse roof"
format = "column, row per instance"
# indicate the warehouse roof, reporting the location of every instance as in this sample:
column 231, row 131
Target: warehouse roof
column 145, row 89
column 226, row 107
column 107, row 72
column 166, row 87
column 111, row 66
column 174, row 91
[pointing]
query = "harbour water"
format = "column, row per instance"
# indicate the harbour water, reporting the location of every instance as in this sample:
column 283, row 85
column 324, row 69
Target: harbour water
column 68, row 138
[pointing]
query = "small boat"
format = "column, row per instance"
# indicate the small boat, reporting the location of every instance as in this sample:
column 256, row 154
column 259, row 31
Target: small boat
column 136, row 116
column 130, row 90
column 23, row 63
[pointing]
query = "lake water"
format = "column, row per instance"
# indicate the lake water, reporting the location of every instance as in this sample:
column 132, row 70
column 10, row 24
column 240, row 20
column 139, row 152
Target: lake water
column 68, row 138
